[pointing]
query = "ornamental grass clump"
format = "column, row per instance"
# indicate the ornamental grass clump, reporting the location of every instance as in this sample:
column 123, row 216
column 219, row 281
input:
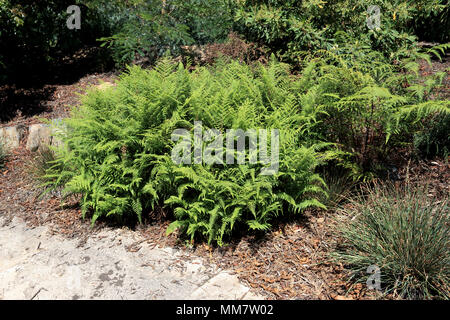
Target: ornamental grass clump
column 2, row 156
column 404, row 233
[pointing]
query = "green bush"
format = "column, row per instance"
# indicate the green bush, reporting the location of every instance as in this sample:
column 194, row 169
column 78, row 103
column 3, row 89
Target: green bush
column 369, row 107
column 292, row 27
column 119, row 145
column 148, row 29
column 404, row 233
column 349, row 108
column 431, row 22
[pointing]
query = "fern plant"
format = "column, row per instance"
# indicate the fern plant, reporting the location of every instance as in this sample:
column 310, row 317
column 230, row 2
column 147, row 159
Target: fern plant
column 345, row 106
column 370, row 107
column 439, row 50
column 118, row 146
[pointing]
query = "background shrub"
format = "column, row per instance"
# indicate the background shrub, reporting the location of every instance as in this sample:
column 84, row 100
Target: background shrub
column 149, row 29
column 406, row 235
column 142, row 31
column 291, row 27
column 34, row 33
column 431, row 21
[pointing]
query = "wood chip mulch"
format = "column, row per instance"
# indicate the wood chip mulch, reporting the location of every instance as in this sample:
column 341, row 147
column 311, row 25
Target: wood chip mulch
column 290, row 263
column 434, row 174
column 20, row 197
column 26, row 106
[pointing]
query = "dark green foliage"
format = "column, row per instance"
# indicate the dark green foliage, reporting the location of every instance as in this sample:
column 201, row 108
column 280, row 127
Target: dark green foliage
column 292, row 27
column 432, row 22
column 119, row 145
column 148, row 29
column 406, row 234
column 434, row 140
column 33, row 33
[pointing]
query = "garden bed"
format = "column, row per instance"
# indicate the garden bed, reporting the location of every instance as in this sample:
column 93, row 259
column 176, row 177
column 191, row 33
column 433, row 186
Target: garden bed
column 290, row 262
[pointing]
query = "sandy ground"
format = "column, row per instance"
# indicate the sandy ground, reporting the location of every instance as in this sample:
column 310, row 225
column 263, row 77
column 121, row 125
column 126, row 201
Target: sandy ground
column 112, row 264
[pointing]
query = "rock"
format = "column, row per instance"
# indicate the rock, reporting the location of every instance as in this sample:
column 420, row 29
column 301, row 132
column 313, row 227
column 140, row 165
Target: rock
column 44, row 134
column 37, row 264
column 10, row 137
column 222, row 287
column 194, row 267
column 39, row 135
column 342, row 298
column 251, row 296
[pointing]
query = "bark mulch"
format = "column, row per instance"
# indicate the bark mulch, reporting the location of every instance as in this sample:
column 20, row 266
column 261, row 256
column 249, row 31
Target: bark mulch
column 26, row 106
column 291, row 262
column 20, row 197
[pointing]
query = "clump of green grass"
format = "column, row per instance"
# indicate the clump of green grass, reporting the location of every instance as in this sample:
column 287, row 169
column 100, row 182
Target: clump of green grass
column 2, row 156
column 339, row 188
column 404, row 233
column 43, row 164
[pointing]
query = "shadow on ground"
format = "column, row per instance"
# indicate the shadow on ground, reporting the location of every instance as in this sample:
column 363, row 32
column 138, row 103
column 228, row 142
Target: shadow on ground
column 32, row 89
